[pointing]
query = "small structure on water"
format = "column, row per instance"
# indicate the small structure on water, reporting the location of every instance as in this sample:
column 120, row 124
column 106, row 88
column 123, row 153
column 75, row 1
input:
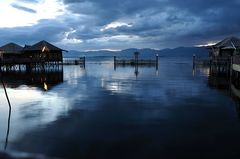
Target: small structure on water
column 136, row 60
column 40, row 56
column 45, row 51
column 225, row 48
column 10, row 50
column 221, row 55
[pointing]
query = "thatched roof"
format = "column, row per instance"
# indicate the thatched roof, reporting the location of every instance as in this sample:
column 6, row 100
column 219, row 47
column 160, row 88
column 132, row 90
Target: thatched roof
column 42, row 45
column 229, row 43
column 11, row 48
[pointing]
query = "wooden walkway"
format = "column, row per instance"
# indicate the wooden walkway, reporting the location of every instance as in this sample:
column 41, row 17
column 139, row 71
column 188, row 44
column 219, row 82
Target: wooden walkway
column 221, row 65
column 36, row 64
column 218, row 65
column 74, row 61
column 136, row 61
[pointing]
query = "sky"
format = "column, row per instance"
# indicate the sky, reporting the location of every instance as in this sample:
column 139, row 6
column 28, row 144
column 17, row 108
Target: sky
column 118, row 24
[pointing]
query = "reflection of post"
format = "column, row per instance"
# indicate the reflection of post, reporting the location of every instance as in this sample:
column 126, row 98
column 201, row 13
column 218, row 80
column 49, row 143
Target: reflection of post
column 8, row 127
column 9, row 114
column 136, row 72
column 114, row 59
column 84, row 62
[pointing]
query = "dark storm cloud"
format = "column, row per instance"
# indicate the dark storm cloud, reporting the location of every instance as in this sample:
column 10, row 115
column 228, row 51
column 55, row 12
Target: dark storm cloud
column 46, row 30
column 183, row 22
column 26, row 9
column 101, row 24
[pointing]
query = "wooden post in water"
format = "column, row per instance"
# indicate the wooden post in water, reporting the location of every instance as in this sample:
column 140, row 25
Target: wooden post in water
column 84, row 61
column 136, row 54
column 210, row 64
column 231, row 69
column 157, row 58
column 1, row 61
column 114, row 59
column 194, row 58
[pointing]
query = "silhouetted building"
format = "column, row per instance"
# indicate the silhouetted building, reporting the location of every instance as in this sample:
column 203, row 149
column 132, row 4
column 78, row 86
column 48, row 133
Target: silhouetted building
column 226, row 48
column 44, row 51
column 10, row 50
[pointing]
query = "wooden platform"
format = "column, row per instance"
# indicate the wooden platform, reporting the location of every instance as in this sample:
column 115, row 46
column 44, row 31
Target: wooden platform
column 221, row 65
column 134, row 62
column 74, row 61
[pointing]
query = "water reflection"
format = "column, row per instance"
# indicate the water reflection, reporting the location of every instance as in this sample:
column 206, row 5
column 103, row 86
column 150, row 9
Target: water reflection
column 102, row 113
column 228, row 85
column 8, row 127
column 137, row 68
column 9, row 113
column 43, row 80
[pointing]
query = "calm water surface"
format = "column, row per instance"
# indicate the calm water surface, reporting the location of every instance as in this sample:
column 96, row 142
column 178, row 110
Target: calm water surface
column 99, row 112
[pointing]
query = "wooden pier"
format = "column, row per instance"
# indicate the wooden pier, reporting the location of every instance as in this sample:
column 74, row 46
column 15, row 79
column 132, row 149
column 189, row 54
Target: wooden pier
column 36, row 64
column 136, row 61
column 217, row 65
column 74, row 61
column 197, row 61
column 221, row 66
column 28, row 64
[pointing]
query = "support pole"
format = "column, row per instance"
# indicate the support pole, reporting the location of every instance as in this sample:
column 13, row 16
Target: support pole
column 115, row 62
column 194, row 61
column 84, row 62
column 157, row 60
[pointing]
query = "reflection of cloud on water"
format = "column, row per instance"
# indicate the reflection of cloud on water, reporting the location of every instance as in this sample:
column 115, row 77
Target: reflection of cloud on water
column 153, row 90
column 116, row 86
column 100, row 95
column 31, row 108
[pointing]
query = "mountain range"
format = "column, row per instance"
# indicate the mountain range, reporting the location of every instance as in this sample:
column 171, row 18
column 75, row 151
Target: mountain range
column 144, row 53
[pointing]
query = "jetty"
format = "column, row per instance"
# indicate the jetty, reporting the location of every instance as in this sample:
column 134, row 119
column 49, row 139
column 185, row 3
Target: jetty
column 74, row 61
column 224, row 64
column 136, row 61
column 224, row 57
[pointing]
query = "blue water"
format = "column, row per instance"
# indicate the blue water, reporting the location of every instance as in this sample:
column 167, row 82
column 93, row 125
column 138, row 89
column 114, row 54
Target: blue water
column 99, row 112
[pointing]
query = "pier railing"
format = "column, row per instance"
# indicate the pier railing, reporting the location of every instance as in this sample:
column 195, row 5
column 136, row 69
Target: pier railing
column 74, row 61
column 221, row 66
column 14, row 61
column 136, row 61
column 22, row 60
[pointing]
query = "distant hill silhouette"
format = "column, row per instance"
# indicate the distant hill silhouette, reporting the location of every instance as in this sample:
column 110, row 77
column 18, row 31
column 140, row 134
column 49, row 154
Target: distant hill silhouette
column 144, row 53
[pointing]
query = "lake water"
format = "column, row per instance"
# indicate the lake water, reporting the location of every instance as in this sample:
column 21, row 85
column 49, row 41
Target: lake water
column 99, row 112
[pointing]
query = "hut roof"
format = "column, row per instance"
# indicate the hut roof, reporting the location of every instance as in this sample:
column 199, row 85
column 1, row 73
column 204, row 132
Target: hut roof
column 40, row 46
column 11, row 48
column 231, row 42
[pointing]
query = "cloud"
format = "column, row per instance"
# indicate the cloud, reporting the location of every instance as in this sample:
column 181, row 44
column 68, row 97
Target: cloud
column 46, row 30
column 26, row 9
column 95, row 24
column 29, row 1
